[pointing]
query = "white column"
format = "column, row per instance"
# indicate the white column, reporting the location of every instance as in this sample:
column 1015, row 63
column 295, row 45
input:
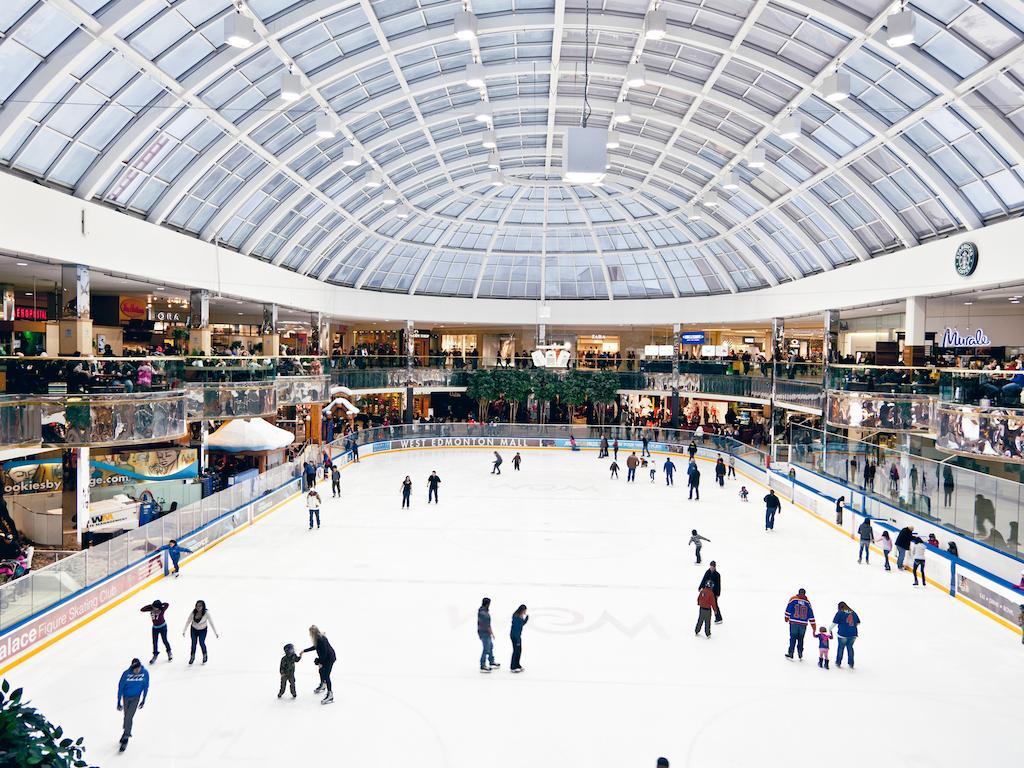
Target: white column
column 916, row 316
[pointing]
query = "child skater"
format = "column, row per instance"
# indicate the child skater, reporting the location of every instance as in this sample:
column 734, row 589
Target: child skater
column 696, row 539
column 823, row 636
column 654, row 469
column 287, row 669
column 744, row 493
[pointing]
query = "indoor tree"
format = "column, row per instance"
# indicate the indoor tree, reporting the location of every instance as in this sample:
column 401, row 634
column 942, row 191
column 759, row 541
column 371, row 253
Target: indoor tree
column 515, row 386
column 602, row 387
column 546, row 387
column 573, row 390
column 482, row 387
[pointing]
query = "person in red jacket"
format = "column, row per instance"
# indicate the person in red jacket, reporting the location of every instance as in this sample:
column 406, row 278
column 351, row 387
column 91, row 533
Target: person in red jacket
column 707, row 605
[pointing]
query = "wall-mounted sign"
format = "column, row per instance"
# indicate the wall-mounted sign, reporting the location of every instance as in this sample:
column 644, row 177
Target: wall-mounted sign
column 952, row 338
column 131, row 308
column 966, row 259
column 750, row 340
column 694, row 337
column 171, row 316
column 30, row 313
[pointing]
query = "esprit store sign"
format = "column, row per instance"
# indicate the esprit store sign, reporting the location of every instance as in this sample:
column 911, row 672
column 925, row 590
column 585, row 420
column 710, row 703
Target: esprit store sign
column 952, row 338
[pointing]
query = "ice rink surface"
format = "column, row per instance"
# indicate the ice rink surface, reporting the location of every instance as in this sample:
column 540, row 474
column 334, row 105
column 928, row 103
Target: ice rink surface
column 614, row 675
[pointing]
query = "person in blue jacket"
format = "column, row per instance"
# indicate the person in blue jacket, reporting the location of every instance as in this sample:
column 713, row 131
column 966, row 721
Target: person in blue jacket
column 845, row 624
column 519, row 619
column 669, row 469
column 131, row 696
column 798, row 615
column 175, row 551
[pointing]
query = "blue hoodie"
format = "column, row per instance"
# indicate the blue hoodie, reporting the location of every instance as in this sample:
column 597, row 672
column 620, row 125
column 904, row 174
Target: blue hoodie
column 846, row 622
column 176, row 551
column 133, row 684
column 517, row 626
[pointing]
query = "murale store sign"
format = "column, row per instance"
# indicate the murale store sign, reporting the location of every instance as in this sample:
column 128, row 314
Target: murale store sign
column 952, row 338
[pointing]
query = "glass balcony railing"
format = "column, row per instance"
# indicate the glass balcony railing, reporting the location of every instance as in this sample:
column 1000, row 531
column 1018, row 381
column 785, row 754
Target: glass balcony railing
column 98, row 419
column 20, row 422
column 229, row 400
column 1000, row 388
column 292, row 390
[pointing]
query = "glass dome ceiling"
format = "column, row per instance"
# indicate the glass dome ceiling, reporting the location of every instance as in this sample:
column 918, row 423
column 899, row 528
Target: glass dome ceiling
column 140, row 105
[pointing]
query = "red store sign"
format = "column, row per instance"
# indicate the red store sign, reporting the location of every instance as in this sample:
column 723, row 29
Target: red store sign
column 30, row 313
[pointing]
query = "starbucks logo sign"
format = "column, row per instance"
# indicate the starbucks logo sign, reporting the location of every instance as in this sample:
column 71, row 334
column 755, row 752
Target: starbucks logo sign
column 966, row 259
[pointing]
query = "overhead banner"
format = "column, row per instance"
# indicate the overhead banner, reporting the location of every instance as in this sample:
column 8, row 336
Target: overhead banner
column 144, row 466
column 33, row 476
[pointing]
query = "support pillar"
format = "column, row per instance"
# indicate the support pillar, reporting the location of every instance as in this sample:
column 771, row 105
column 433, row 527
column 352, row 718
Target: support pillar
column 80, row 459
column 829, row 355
column 778, row 352
column 915, row 318
column 268, row 331
column 200, row 336
column 410, row 348
column 75, row 322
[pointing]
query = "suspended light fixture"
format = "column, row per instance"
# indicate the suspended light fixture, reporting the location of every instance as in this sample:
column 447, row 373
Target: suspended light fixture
column 836, row 87
column 475, row 77
column 585, row 149
column 756, row 159
column 900, row 28
column 493, row 162
column 325, row 126
column 623, row 113
column 710, row 202
column 291, row 86
column 655, row 23
column 489, row 141
column 390, row 197
column 483, row 113
column 790, row 128
column 636, row 75
column 613, row 140
column 496, row 180
column 732, row 182
column 349, row 157
column 402, row 211
column 465, row 25
column 372, row 180
column 240, row 30
column 694, row 214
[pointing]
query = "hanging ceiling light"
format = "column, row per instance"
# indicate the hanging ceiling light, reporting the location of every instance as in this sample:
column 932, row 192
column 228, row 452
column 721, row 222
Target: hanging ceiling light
column 835, row 87
column 489, row 141
column 372, row 180
column 349, row 157
column 240, row 30
column 465, row 25
column 900, row 28
column 756, row 159
column 402, row 211
column 493, row 162
column 694, row 214
column 710, row 202
column 475, row 77
column 291, row 86
column 325, row 126
column 732, row 182
column 790, row 128
column 496, row 180
column 483, row 113
column 655, row 23
column 623, row 113
column 636, row 75
column 613, row 140
column 390, row 197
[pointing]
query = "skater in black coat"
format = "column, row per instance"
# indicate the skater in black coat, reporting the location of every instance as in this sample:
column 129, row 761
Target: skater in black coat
column 694, row 475
column 325, row 658
column 720, row 471
column 772, row 506
column 432, row 482
column 903, row 542
column 516, row 461
column 713, row 577
column 406, row 491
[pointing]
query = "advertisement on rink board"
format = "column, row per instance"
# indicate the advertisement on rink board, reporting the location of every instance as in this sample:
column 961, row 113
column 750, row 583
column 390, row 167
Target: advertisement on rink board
column 1000, row 605
column 41, row 627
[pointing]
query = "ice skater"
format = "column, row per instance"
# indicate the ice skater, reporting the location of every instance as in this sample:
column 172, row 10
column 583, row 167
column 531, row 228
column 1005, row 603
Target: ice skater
column 335, row 482
column 918, row 552
column 845, row 624
column 645, row 449
column 714, row 578
column 432, row 482
column 669, row 469
column 772, row 507
column 287, row 669
column 174, row 552
column 705, row 605
column 694, row 481
column 696, row 539
column 486, row 635
column 885, row 543
column 519, row 619
column 406, row 491
column 615, row 449
column 132, row 690
column 496, row 467
column 720, row 472
column 313, row 502
column 615, row 470
column 198, row 622
column 602, row 451
column 516, row 461
column 653, row 471
column 156, row 611
column 325, row 658
column 799, row 614
column 840, row 506
column 732, row 466
column 867, row 535
column 903, row 541
column 744, row 493
column 823, row 636
column 632, row 462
